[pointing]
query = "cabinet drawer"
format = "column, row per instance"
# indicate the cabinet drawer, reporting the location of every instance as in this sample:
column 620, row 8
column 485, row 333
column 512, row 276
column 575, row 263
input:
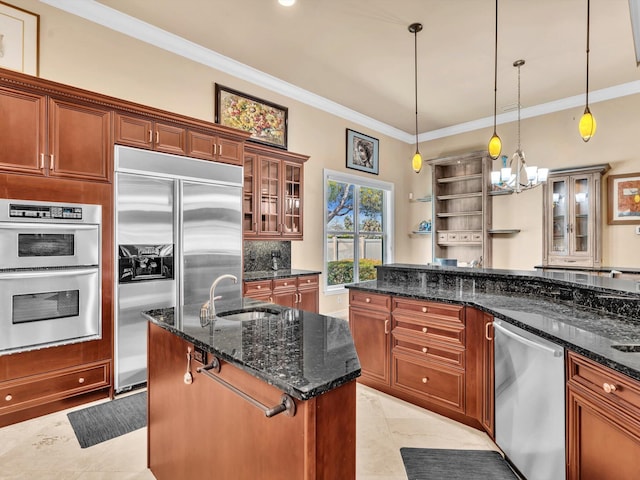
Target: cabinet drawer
column 465, row 237
column 476, row 237
column 431, row 351
column 429, row 330
column 440, row 385
column 38, row 389
column 437, row 311
column 442, row 237
column 370, row 300
column 452, row 237
column 604, row 382
column 284, row 284
column 260, row 286
column 310, row 281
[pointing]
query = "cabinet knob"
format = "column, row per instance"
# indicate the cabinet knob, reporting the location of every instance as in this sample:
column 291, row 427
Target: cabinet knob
column 308, row 281
column 425, row 379
column 424, row 329
column 368, row 300
column 8, row 398
column 609, row 387
column 81, row 380
column 285, row 284
column 259, row 287
column 424, row 349
column 424, row 309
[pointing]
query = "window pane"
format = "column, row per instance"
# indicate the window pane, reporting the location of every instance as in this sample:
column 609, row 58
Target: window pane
column 339, row 206
column 371, row 249
column 340, row 268
column 370, row 210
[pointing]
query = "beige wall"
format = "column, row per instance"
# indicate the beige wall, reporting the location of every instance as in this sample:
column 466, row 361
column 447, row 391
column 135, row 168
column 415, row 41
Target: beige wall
column 77, row 52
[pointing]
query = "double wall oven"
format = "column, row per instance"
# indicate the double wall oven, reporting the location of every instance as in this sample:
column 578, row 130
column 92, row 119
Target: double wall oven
column 50, row 291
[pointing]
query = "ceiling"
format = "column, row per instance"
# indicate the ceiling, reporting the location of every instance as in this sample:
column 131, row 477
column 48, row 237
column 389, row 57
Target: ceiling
column 357, row 56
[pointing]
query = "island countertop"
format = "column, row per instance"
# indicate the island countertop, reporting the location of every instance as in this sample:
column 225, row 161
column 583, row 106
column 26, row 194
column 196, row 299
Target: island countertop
column 542, row 303
column 302, row 353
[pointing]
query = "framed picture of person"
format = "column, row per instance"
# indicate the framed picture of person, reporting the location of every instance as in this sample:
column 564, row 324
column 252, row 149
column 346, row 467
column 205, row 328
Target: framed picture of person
column 362, row 152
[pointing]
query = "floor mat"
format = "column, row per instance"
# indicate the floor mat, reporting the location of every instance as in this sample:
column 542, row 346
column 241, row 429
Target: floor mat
column 109, row 420
column 443, row 464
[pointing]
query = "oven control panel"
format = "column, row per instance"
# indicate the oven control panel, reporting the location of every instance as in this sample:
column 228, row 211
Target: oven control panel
column 45, row 212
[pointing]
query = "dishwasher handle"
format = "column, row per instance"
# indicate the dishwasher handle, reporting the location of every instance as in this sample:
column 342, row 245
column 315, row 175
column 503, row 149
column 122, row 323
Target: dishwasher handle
column 556, row 352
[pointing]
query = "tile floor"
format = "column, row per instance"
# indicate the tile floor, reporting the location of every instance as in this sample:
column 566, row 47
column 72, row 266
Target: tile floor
column 46, row 448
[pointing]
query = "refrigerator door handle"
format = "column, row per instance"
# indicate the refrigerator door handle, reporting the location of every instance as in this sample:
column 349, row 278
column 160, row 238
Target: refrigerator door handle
column 526, row 341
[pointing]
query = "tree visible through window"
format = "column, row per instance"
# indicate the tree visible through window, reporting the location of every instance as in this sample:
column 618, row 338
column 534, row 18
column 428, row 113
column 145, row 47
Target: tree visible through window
column 355, row 228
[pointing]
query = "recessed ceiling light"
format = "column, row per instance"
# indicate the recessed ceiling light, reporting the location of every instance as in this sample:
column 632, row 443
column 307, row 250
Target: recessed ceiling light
column 286, row 3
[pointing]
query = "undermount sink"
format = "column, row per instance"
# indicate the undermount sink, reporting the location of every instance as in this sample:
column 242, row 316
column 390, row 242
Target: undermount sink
column 635, row 348
column 258, row 313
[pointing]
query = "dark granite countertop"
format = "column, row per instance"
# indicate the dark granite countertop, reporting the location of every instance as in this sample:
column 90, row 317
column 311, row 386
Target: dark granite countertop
column 282, row 273
column 586, row 331
column 302, row 353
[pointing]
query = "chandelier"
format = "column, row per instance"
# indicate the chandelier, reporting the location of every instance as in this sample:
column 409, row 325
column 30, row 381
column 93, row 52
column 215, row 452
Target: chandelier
column 517, row 177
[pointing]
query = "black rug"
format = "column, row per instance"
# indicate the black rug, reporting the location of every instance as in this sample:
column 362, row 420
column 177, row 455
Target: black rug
column 109, row 420
column 442, row 464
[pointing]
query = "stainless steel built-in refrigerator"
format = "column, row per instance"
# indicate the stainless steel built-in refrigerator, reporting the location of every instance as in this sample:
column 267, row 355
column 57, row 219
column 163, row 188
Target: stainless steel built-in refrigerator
column 178, row 227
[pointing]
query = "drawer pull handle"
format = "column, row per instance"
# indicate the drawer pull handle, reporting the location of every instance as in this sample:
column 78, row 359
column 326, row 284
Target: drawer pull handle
column 8, row 398
column 424, row 349
column 609, row 387
column 81, row 380
column 424, row 329
column 424, row 309
column 486, row 331
column 367, row 300
column 386, row 327
column 425, row 379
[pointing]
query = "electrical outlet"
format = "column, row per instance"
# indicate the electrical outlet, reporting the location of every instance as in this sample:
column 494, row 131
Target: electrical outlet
column 275, row 253
column 638, row 230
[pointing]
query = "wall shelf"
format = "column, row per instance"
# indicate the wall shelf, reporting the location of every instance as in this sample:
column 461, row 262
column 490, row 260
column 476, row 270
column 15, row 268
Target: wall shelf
column 503, row 231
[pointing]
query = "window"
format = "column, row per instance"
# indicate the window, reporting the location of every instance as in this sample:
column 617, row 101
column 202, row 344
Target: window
column 357, row 224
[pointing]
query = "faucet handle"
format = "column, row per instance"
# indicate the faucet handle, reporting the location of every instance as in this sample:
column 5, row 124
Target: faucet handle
column 217, row 297
column 204, row 315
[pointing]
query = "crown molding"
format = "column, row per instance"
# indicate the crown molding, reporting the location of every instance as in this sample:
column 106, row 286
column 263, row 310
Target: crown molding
column 115, row 20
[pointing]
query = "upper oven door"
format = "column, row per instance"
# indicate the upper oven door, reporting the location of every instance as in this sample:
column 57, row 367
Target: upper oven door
column 32, row 245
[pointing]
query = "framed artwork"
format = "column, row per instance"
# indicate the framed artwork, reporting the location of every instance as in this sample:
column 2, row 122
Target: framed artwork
column 266, row 121
column 362, row 152
column 623, row 195
column 19, row 39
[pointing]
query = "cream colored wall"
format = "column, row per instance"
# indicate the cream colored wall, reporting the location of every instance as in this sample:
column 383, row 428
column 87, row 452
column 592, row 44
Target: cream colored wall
column 77, row 52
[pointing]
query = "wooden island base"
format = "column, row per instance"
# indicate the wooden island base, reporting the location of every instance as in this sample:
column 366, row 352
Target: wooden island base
column 205, row 430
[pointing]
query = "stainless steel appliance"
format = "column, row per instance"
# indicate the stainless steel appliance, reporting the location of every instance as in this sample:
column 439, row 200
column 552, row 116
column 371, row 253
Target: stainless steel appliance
column 49, row 274
column 530, row 402
column 178, row 227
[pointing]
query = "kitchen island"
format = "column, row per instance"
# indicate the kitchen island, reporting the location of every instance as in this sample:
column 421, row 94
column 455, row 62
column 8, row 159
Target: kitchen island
column 263, row 392
column 427, row 334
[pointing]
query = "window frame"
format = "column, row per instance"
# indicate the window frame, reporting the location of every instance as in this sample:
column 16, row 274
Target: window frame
column 387, row 221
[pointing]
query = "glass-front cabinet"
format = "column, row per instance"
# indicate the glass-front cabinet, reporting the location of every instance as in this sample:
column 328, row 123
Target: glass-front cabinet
column 572, row 216
column 272, row 194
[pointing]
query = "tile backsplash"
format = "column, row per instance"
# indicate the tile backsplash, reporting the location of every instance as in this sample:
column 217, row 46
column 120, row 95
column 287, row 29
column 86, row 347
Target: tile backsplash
column 257, row 255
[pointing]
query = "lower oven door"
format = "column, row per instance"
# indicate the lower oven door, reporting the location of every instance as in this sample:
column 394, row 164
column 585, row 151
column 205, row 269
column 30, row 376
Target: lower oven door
column 43, row 308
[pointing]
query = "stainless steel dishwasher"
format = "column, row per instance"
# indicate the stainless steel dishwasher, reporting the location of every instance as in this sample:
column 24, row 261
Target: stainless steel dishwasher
column 530, row 402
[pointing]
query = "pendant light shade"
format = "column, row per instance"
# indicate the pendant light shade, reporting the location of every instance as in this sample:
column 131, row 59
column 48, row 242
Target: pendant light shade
column 495, row 144
column 587, row 125
column 416, row 161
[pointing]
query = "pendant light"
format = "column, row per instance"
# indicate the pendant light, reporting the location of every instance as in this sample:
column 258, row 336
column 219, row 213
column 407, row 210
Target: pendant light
column 416, row 161
column 495, row 144
column 587, row 125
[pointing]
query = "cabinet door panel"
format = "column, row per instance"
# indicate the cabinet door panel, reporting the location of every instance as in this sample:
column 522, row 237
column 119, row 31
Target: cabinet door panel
column 370, row 332
column 134, row 131
column 201, row 145
column 230, row 151
column 22, row 131
column 80, row 141
column 170, row 139
column 309, row 299
column 269, row 194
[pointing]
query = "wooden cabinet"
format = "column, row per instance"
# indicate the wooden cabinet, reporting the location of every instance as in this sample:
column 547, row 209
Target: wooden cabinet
column 428, row 352
column 480, row 368
column 300, row 292
column 204, row 429
column 370, row 323
column 462, row 207
column 603, row 422
column 52, row 137
column 572, row 220
column 272, row 194
column 214, row 147
column 145, row 133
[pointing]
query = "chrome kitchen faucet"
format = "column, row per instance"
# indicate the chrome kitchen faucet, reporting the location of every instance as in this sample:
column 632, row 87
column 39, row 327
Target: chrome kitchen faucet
column 208, row 310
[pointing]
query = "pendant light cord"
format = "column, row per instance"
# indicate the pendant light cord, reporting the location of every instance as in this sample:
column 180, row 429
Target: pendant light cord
column 519, row 65
column 415, row 71
column 588, row 23
column 495, row 74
